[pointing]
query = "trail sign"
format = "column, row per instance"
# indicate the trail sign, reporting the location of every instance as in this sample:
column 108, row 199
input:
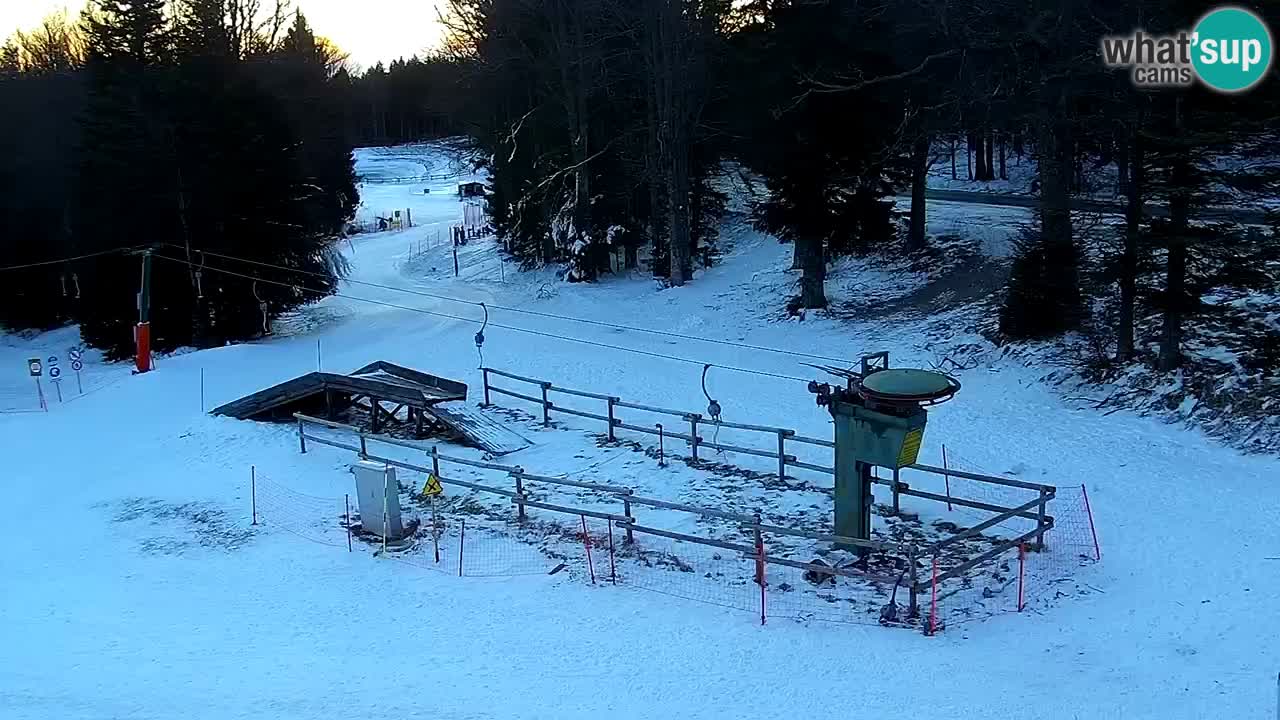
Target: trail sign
column 55, row 372
column 53, row 359
column 34, row 367
column 75, row 354
column 432, row 488
column 77, row 365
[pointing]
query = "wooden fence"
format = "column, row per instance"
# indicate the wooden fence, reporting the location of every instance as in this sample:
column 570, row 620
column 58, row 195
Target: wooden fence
column 777, row 447
column 910, row 553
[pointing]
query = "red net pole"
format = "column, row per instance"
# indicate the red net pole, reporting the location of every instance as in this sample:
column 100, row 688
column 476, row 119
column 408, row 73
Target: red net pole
column 613, row 570
column 586, row 543
column 1022, row 561
column 1097, row 550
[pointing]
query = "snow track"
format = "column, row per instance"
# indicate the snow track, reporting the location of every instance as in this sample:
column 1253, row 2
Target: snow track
column 135, row 584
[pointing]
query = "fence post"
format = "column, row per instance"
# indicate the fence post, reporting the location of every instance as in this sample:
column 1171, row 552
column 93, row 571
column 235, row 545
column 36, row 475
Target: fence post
column 613, row 569
column 462, row 540
column 546, row 406
column 693, row 433
column 302, row 437
column 1097, row 549
column 612, row 400
column 346, row 514
column 662, row 462
column 253, row 492
column 364, row 450
column 519, row 493
column 435, row 461
column 586, row 543
column 485, row 373
column 1040, row 520
column 626, row 510
column 782, row 453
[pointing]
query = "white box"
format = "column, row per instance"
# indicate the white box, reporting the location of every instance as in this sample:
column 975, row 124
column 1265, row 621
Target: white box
column 378, row 492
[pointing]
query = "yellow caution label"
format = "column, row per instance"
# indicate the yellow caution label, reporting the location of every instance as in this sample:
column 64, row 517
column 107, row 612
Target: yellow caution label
column 911, row 447
column 433, row 487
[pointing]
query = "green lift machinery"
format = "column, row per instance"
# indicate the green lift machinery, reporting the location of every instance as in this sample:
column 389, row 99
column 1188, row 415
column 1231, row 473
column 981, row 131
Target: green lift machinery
column 879, row 418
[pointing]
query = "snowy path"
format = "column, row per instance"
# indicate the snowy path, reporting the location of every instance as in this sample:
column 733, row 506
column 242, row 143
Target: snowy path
column 134, row 589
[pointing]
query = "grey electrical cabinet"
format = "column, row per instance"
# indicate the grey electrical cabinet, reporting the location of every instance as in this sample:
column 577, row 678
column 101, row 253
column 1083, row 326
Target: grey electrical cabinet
column 378, row 495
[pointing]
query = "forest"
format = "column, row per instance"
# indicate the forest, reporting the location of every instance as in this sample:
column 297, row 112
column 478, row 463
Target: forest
column 604, row 126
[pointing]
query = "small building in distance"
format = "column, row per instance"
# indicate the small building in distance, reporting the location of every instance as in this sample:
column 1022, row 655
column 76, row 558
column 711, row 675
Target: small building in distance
column 471, row 189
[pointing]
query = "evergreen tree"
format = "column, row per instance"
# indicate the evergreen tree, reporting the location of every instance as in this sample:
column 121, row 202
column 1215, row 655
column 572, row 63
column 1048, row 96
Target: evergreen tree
column 194, row 148
column 828, row 157
column 128, row 32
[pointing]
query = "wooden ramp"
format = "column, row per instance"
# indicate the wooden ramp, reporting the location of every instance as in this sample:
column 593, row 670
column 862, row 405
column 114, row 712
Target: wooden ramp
column 484, row 431
column 264, row 401
column 380, row 382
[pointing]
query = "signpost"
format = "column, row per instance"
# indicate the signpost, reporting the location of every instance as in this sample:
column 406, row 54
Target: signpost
column 36, row 369
column 77, row 364
column 431, row 489
column 55, row 375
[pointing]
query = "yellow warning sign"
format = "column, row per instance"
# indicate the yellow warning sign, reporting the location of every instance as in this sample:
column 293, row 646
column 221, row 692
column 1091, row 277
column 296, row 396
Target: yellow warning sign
column 432, row 487
column 911, row 447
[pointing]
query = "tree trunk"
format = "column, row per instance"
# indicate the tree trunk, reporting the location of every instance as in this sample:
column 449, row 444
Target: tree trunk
column 1122, row 165
column 990, row 147
column 1133, row 152
column 1056, row 171
column 813, row 272
column 653, row 162
column 1176, row 264
column 953, row 158
column 1004, row 150
column 678, row 206
column 968, row 156
column 919, row 182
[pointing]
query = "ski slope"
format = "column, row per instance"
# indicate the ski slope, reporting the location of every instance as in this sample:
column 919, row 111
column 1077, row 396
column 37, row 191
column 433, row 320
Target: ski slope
column 135, row 587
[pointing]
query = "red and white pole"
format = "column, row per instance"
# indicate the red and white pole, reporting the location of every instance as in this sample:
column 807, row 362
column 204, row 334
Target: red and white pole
column 142, row 331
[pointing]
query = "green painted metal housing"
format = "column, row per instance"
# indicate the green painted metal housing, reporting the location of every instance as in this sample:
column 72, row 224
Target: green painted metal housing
column 865, row 438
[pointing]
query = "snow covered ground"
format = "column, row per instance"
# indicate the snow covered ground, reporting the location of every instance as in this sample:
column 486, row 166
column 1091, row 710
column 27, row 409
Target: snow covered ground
column 135, row 586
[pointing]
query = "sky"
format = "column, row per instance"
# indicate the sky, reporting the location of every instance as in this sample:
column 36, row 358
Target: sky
column 370, row 30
